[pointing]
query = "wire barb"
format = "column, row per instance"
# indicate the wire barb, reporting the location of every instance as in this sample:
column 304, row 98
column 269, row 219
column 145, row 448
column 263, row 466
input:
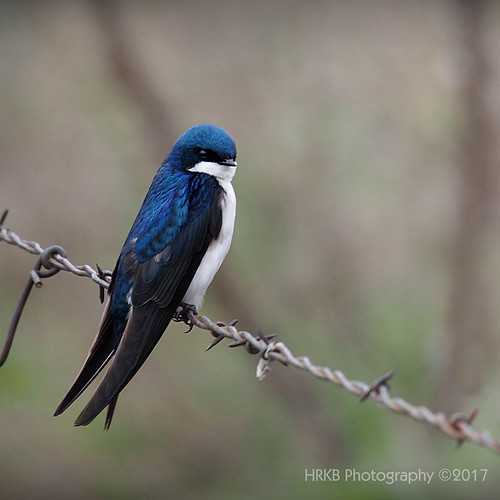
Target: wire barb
column 375, row 386
column 457, row 427
column 102, row 274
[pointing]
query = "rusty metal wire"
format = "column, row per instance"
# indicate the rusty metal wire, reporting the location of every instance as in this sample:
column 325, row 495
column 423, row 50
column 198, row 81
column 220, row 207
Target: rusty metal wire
column 458, row 426
column 55, row 259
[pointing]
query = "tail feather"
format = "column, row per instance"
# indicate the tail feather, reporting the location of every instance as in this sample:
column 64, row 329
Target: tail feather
column 109, row 413
column 144, row 329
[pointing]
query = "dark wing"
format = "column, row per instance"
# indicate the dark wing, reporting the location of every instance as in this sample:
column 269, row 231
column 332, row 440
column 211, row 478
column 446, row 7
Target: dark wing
column 104, row 345
column 159, row 285
column 99, row 354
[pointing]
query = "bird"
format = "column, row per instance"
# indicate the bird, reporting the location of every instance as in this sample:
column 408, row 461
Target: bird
column 175, row 246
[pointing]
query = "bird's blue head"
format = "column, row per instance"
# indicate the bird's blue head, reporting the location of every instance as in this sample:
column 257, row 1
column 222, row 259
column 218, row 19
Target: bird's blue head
column 205, row 148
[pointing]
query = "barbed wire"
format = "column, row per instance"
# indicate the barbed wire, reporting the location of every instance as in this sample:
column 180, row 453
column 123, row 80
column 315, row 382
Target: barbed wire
column 458, row 426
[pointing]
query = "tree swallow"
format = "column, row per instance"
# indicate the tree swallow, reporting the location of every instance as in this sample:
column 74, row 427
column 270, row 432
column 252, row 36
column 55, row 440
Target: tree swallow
column 173, row 250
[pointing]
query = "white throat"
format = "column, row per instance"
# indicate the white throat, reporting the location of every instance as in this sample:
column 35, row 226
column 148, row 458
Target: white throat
column 219, row 171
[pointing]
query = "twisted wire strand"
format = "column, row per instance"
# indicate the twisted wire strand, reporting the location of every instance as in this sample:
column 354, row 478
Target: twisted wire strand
column 457, row 427
column 56, row 259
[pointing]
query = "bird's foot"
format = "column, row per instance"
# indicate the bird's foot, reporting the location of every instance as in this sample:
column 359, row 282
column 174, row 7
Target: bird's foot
column 182, row 314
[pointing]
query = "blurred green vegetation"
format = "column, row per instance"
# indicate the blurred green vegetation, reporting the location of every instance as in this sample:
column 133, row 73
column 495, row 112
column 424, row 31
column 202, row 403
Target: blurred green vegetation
column 348, row 117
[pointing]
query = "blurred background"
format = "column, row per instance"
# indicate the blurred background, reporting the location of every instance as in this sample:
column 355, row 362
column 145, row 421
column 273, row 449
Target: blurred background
column 367, row 237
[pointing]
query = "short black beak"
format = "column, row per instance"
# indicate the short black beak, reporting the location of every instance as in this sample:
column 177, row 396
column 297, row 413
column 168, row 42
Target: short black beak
column 229, row 162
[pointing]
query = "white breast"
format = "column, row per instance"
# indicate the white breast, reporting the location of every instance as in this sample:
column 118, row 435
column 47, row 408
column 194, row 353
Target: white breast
column 217, row 250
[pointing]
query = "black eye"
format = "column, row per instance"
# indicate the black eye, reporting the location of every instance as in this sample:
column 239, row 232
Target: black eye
column 203, row 154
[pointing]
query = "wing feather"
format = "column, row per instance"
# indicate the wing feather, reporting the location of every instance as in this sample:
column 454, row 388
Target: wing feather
column 101, row 350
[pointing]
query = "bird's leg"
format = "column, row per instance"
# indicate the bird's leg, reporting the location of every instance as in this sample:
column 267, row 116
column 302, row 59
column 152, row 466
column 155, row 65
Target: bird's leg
column 182, row 314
